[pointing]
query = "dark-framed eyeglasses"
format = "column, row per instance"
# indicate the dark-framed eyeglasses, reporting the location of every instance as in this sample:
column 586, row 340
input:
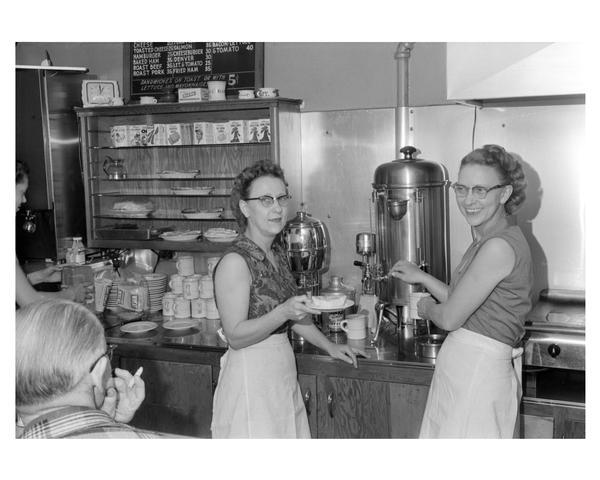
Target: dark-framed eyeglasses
column 268, row 201
column 108, row 353
column 478, row 191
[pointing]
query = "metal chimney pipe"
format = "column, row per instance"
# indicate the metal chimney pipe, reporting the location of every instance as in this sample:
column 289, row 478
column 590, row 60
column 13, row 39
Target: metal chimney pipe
column 404, row 135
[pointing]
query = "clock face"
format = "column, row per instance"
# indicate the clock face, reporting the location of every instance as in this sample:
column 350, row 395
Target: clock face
column 97, row 92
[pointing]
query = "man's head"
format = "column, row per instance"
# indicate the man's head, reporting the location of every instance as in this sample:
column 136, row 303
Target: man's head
column 59, row 355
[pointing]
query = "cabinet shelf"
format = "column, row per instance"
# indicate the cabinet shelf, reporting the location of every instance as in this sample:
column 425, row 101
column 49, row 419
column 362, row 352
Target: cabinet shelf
column 152, row 178
column 200, row 245
column 208, row 145
column 168, row 218
column 159, row 194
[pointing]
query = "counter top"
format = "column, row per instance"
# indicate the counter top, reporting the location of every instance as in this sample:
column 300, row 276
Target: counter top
column 390, row 349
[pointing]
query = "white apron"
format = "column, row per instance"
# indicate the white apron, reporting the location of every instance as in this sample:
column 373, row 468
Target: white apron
column 258, row 395
column 476, row 389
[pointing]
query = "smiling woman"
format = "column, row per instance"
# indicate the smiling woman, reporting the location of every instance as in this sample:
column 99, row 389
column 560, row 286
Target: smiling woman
column 476, row 388
column 258, row 395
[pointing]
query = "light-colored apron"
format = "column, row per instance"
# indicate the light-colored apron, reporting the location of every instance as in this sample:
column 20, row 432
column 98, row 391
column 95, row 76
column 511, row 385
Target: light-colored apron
column 476, row 389
column 258, row 395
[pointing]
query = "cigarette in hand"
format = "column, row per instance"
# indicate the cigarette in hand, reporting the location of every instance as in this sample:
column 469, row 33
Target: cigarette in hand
column 137, row 374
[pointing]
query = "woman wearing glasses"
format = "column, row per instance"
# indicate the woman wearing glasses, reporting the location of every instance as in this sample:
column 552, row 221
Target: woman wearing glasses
column 258, row 395
column 475, row 391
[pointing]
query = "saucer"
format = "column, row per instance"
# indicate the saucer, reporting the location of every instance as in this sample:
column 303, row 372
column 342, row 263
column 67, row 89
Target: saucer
column 180, row 324
column 138, row 327
column 347, row 304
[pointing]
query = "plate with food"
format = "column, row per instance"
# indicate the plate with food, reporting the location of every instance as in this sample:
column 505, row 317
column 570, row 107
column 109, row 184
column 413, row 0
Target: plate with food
column 138, row 327
column 331, row 303
column 181, row 236
column 219, row 235
column 131, row 209
column 191, row 190
column 194, row 214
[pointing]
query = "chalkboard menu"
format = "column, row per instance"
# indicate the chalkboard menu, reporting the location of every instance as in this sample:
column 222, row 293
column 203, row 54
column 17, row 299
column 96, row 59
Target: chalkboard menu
column 152, row 67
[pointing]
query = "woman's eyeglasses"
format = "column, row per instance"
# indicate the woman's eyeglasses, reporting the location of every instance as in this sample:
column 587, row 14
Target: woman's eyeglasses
column 268, row 201
column 478, row 191
column 108, row 353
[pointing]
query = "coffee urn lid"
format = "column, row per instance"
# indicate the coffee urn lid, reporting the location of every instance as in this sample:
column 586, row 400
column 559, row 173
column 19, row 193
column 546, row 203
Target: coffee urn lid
column 408, row 172
column 304, row 232
column 303, row 219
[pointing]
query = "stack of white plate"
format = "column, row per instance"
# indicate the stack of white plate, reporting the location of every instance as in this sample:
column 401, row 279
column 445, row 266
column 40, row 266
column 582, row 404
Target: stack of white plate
column 157, row 286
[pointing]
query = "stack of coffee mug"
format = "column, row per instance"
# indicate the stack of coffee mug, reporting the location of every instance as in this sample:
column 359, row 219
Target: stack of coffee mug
column 191, row 294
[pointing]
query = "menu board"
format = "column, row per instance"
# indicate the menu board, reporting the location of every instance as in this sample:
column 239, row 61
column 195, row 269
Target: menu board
column 152, row 67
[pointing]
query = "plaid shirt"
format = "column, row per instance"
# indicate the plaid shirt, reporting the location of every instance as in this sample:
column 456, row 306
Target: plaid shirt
column 81, row 422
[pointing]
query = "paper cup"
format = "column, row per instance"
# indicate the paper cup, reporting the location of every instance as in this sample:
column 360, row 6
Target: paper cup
column 414, row 299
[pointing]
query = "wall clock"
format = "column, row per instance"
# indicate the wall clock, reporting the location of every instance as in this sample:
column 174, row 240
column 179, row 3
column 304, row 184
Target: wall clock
column 99, row 92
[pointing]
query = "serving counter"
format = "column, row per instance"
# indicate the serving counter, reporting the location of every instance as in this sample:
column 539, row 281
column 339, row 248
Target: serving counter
column 384, row 397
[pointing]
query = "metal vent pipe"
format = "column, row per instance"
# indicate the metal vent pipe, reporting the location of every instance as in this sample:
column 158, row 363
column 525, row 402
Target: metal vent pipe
column 404, row 135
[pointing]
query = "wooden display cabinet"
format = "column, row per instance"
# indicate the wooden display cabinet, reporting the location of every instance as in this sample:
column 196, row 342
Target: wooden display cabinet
column 217, row 163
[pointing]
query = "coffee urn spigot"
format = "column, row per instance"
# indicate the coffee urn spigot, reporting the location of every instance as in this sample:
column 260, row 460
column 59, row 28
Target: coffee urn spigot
column 371, row 273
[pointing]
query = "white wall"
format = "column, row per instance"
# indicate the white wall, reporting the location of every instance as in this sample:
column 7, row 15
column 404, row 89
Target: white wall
column 104, row 60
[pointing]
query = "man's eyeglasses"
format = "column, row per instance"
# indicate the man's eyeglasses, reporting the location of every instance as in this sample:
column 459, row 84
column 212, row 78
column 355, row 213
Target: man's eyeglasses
column 108, row 353
column 478, row 191
column 268, row 201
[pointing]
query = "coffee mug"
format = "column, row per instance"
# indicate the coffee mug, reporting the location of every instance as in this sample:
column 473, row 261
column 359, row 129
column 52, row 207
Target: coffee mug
column 191, row 287
column 176, row 284
column 198, row 308
column 211, row 309
column 216, row 90
column 267, row 92
column 206, row 287
column 147, row 100
column 101, row 291
column 246, row 94
column 355, row 326
column 185, row 265
column 414, row 299
column 211, row 263
column 182, row 307
column 168, row 304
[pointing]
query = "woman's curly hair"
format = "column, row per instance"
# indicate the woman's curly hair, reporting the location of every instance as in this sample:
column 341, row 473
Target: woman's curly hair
column 508, row 167
column 242, row 183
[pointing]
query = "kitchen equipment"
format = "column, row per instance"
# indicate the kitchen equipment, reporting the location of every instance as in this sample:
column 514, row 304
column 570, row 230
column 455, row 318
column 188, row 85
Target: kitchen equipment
column 555, row 331
column 411, row 197
column 429, row 345
column 365, row 246
column 554, row 342
column 411, row 204
column 305, row 239
column 114, row 168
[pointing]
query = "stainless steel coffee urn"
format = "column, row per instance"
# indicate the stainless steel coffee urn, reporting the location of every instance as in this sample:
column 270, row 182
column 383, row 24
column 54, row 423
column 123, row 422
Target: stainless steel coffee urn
column 305, row 240
column 411, row 200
